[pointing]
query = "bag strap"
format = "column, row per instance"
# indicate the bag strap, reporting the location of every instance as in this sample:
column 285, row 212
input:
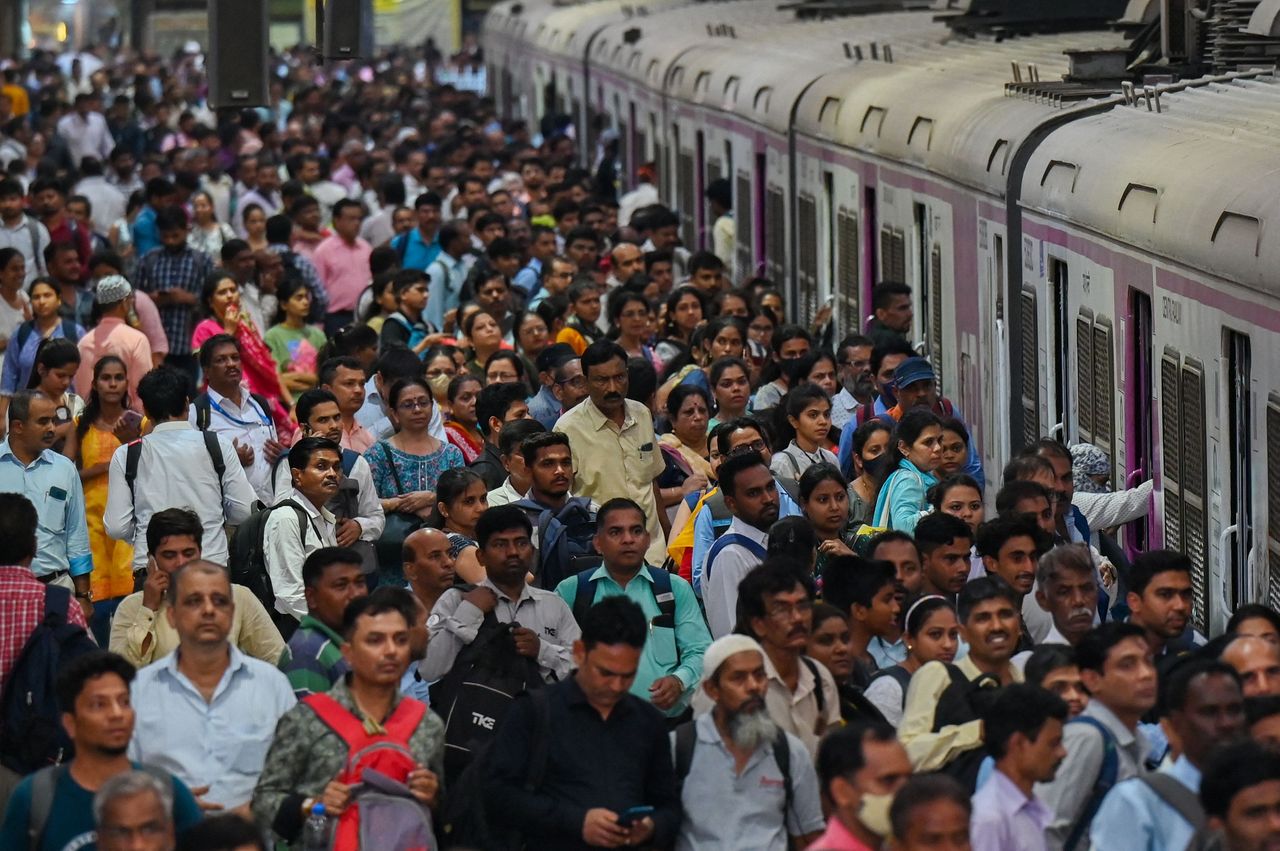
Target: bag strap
column 782, row 756
column 724, row 541
column 1107, row 775
column 339, row 719
column 391, row 462
column 23, row 334
column 204, row 411
column 898, row 674
column 585, row 597
column 818, row 691
column 132, row 455
column 214, row 448
column 662, row 592
column 686, row 741
column 44, row 785
column 404, row 719
column 349, row 459
column 33, row 231
column 1173, row 793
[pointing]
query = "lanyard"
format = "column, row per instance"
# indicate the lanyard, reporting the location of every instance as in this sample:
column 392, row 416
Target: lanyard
column 266, row 421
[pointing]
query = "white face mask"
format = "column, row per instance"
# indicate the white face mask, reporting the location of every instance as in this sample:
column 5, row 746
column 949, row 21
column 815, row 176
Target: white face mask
column 873, row 812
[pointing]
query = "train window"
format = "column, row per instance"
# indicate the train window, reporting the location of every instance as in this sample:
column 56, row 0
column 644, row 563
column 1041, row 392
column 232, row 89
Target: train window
column 685, row 193
column 1273, row 501
column 775, row 223
column 847, row 285
column 893, row 255
column 807, row 271
column 1171, row 441
column 1104, row 385
column 1030, row 367
column 1084, row 376
column 743, row 209
column 1195, row 514
column 935, row 312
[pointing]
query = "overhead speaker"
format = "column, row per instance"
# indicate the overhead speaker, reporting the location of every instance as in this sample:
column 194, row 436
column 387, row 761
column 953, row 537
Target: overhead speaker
column 238, row 42
column 348, row 29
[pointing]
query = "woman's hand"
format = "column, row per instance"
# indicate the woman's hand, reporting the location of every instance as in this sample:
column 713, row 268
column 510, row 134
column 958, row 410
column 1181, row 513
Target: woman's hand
column 834, row 547
column 417, row 501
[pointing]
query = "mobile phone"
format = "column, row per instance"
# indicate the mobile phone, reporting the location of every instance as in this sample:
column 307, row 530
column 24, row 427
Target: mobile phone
column 633, row 814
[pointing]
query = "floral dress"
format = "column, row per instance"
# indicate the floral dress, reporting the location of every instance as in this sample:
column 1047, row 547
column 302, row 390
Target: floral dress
column 396, row 472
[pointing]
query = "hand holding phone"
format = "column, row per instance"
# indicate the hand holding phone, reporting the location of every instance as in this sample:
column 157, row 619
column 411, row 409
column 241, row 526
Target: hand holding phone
column 631, row 815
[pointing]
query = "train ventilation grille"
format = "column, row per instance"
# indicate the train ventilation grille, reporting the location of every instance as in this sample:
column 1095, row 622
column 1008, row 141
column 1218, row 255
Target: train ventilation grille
column 1229, row 46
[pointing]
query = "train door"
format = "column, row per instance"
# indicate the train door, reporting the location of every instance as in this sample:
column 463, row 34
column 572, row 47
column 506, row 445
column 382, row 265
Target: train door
column 1138, row 535
column 995, row 360
column 1236, row 544
column 1060, row 354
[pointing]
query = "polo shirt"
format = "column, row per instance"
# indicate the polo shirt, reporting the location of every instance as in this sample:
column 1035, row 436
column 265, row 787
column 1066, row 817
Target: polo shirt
column 313, row 660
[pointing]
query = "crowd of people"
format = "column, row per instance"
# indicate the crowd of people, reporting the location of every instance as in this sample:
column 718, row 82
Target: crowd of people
column 380, row 473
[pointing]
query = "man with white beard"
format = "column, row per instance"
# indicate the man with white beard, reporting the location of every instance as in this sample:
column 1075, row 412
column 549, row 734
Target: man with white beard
column 744, row 782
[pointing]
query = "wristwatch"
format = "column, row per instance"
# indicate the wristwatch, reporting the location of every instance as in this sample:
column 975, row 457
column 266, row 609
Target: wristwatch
column 85, row 595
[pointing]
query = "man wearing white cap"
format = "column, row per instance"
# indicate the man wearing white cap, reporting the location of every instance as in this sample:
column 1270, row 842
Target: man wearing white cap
column 114, row 336
column 744, row 781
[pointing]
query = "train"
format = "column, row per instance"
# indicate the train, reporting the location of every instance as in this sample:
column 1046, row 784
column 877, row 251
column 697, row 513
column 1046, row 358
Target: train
column 1090, row 247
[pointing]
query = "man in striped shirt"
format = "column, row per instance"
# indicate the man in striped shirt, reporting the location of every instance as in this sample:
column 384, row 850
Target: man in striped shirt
column 313, row 660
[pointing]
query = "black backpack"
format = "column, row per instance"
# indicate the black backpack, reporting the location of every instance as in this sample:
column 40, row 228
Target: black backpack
column 565, row 539
column 133, row 456
column 246, row 557
column 687, row 739
column 31, row 734
column 962, row 701
column 204, row 409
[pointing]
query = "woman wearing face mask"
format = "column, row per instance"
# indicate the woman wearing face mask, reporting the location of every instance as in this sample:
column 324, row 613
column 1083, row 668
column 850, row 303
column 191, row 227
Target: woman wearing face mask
column 870, row 442
column 960, row 496
column 932, row 634
column 912, row 459
column 440, row 368
column 461, row 427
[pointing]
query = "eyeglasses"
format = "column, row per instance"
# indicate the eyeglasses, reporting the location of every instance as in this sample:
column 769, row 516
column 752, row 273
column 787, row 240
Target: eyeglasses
column 415, row 405
column 576, row 381
column 754, row 446
column 781, row 612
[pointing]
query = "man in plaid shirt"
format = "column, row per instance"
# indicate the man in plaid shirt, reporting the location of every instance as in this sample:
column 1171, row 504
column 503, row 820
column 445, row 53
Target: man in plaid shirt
column 174, row 276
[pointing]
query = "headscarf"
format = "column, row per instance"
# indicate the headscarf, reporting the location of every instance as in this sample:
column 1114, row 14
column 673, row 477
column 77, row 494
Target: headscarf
column 1088, row 460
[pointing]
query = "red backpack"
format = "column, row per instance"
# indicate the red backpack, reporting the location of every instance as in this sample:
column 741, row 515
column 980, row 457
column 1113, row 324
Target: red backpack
column 378, row 767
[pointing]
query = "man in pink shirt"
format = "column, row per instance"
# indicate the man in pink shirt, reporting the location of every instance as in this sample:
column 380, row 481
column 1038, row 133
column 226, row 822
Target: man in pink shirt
column 145, row 310
column 113, row 336
column 342, row 260
column 861, row 767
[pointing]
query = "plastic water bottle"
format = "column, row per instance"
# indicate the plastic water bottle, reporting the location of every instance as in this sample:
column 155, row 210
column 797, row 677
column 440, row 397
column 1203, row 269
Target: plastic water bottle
column 315, row 833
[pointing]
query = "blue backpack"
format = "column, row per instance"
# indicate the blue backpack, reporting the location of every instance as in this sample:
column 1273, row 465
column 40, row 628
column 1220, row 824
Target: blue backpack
column 565, row 539
column 1107, row 776
column 725, row 540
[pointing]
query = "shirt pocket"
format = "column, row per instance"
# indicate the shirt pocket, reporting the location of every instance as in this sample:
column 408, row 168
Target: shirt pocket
column 53, row 512
column 248, row 749
column 662, row 646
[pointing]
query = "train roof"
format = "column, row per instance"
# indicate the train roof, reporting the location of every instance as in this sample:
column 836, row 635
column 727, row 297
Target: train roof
column 567, row 29
column 1197, row 182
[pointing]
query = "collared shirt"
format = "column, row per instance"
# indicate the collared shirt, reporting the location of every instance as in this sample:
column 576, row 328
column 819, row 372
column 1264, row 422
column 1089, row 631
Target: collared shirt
column 674, row 650
column 842, row 408
column 142, row 636
column 417, row 254
column 220, row 743
column 246, row 424
column 704, row 532
column 545, row 407
column 313, row 660
column 112, row 336
column 929, row 749
column 505, row 495
column 529, row 279
column 368, row 508
column 160, row 270
column 1004, row 819
column 22, row 601
column 20, row 237
column 1069, row 791
column 609, row 461
column 447, row 276
column 1133, row 817
column 357, row 438
column 86, row 136
column 52, row 484
column 287, row 547
column 454, row 623
column 887, row 655
column 344, row 269
column 106, row 202
column 726, row 809
column 176, row 446
column 838, row 838
column 720, row 579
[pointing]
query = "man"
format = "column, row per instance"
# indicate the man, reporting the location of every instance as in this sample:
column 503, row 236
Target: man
column 98, row 716
column 174, row 274
column 407, row 328
column 344, row 377
column 1067, row 590
column 1204, row 709
column 49, row 480
column 106, row 202
column 544, row 407
column 672, row 660
column 1257, row 661
column 377, row 229
column 49, row 198
column 1029, row 498
column 19, row 231
column 448, row 272
column 930, row 813
column 744, row 781
column 615, row 451
column 510, row 445
column 160, row 194
column 542, row 248
column 140, row 628
column 860, row 768
column 63, row 262
column 1010, row 547
column 1159, row 599
column 207, row 691
column 419, row 248
column 944, row 541
column 751, row 495
column 607, row 750
column 342, row 260
column 212, row 483
column 81, row 211
column 719, row 195
column 265, row 193
column 706, row 274
column 84, row 130
column 934, row 731
column 313, row 660
column 892, row 312
column 885, row 359
column 545, row 629
column 1023, row 731
column 1116, row 666
column 294, row 264
column 227, row 409
column 866, row 594
column 113, row 336
column 302, row 523
column 130, row 806
column 497, row 405
column 1241, row 797
column 857, row 387
column 626, row 261
column 429, row 567
column 1053, row 667
column 307, row 754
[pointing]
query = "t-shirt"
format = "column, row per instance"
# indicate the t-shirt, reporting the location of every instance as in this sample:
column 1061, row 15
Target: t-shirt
column 70, row 825
column 296, row 349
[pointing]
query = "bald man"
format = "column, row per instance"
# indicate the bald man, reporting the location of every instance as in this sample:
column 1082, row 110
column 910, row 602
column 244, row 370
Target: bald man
column 626, row 260
column 428, row 565
column 1257, row 662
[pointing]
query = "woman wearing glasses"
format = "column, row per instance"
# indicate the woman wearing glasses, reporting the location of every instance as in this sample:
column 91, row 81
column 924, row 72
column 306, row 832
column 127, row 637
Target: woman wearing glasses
column 407, row 466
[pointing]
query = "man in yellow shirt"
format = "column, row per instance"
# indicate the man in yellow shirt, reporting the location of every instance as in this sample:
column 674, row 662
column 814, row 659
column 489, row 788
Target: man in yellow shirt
column 16, row 93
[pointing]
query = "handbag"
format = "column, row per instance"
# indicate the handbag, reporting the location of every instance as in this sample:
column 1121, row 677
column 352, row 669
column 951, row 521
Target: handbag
column 399, row 525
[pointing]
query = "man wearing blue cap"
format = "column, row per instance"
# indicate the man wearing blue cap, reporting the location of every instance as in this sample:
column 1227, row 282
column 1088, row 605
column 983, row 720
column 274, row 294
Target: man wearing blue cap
column 916, row 386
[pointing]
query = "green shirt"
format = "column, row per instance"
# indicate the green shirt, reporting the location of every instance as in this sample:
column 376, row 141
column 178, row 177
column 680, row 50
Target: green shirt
column 296, row 349
column 313, row 658
column 659, row 658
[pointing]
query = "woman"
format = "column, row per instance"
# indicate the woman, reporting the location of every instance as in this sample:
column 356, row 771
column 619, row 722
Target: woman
column 831, row 644
column 629, row 323
column 933, row 635
column 731, row 385
column 105, row 425
column 802, row 433
column 1255, row 621
column 955, row 448
column 383, row 303
column 506, row 367
column 406, row 467
column 440, row 369
column 207, row 235
column 55, row 368
column 870, row 442
column 532, row 338
column 824, row 498
column 684, row 313
column 961, row 496
column 461, row 498
column 911, row 461
column 255, row 227
column 15, row 307
column 294, row 344
column 720, row 338
column 44, row 324
column 685, row 446
column 485, row 334
column 461, row 427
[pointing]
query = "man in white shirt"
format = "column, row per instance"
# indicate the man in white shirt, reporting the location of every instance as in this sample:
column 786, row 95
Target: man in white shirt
column 106, row 203
column 176, row 466
column 751, row 495
column 85, row 131
column 19, row 231
column 448, row 272
column 301, row 524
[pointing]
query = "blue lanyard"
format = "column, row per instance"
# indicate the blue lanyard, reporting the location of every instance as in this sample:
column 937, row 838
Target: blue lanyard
column 266, row 421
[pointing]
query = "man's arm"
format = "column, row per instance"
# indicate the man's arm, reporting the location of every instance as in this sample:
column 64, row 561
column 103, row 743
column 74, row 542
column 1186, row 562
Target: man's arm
column 1104, row 510
column 558, row 657
column 930, row 750
column 118, row 517
column 79, row 557
column 434, row 314
column 720, row 593
column 277, row 799
column 692, row 636
column 133, row 631
column 660, row 791
column 258, row 636
column 452, row 625
column 1125, row 821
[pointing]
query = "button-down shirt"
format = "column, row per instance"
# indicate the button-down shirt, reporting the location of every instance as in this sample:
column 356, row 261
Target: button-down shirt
column 838, row 838
column 160, row 270
column 446, row 276
column 545, row 407
column 843, row 407
column 704, row 532
column 454, row 623
column 112, row 336
column 505, row 495
column 246, row 424
column 1004, row 819
column 220, row 743
column 726, row 809
column 357, row 438
column 669, row 651
column 52, row 484
column 609, row 461
column 22, row 601
column 287, row 547
column 720, row 579
column 1133, row 817
column 344, row 269
column 929, row 749
column 86, row 136
column 418, row 254
column 171, row 447
column 368, row 508
column 20, row 236
column 314, row 660
column 142, row 636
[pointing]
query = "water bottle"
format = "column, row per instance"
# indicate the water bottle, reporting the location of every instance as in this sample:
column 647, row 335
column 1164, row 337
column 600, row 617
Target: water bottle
column 315, row 833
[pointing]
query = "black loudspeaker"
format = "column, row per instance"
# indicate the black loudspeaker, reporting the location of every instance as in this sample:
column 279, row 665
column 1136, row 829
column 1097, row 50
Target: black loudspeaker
column 237, row 57
column 348, row 30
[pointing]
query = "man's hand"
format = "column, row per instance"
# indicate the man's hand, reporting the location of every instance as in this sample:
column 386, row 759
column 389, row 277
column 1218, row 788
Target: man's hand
column 335, row 797
column 482, row 598
column 665, row 691
column 348, row 532
column 272, row 450
column 245, row 452
column 424, row 785
column 600, row 828
column 127, row 428
column 527, row 642
column 694, row 484
column 641, row 831
column 207, row 806
column 153, row 590
column 86, row 606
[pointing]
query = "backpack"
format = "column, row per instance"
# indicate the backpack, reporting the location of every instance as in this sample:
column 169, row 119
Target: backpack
column 31, row 736
column 725, row 540
column 44, row 785
column 416, row 332
column 686, row 736
column 133, row 455
column 900, row 675
column 962, row 701
column 1107, row 776
column 565, row 539
column 33, row 231
column 382, row 812
column 204, row 409
column 585, row 597
column 27, row 328
column 246, row 556
column 477, row 692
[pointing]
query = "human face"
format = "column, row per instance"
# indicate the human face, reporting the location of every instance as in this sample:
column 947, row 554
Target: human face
column 622, row 540
column 431, row 566
column 102, row 718
column 855, row 371
column 886, row 769
column 255, row 222
column 558, row 277
column 49, row 202
column 348, row 386
column 111, row 383
column 37, row 432
column 607, row 384
column 955, row 454
column 788, row 617
column 428, row 217
column 10, row 207
column 299, row 304
column 1259, row 628
column 940, row 825
column 884, row 378
column 174, row 551
column 319, row 480
column 463, row 409
column 135, row 823
column 691, row 419
column 325, row 421
column 665, row 237
column 347, row 223
column 926, row 451
column 174, row 240
column 1266, row 731
column 65, row 265
column 464, row 511
column 814, row 423
column 1038, row 759
column 1253, row 819
column 688, row 313
column 45, row 300
column 337, row 586
column 414, row 297
column 1065, row 682
column 727, row 343
column 1164, row 607
column 378, row 651
column 992, row 630
column 571, row 385
column 1071, row 598
column 906, row 561
column 794, row 349
column 1041, row 510
column 739, row 683
column 225, row 294
column 507, row 557
column 1015, row 563
column 946, row 569
column 552, row 472
column 605, row 672
column 494, row 295
column 225, row 368
column 633, row 321
column 938, row 638
column 756, row 497
column 1213, row 715
column 584, row 253
column 966, row 503
column 733, row 391
column 663, row 276
column 413, row 409
column 13, row 273
column 831, row 645
column 403, row 220
column 877, row 444
column 1127, row 683
column 202, row 207
column 501, row 371
column 709, row 281
column 202, row 615
column 881, row 617
column 588, row 306
column 544, row 246
column 828, row 508
column 1258, row 664
column 532, row 335
column 627, row 261
column 898, row 315
column 918, row 394
column 749, row 440
column 1064, row 481
column 79, row 211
